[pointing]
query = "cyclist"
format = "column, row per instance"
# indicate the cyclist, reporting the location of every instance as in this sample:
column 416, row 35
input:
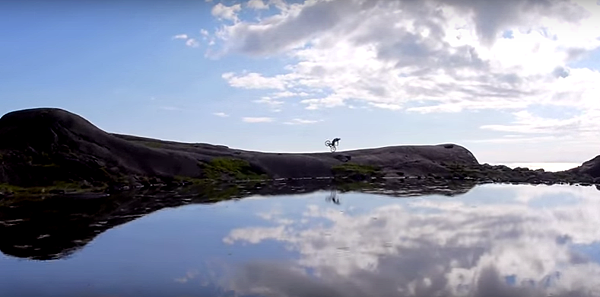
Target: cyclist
column 335, row 142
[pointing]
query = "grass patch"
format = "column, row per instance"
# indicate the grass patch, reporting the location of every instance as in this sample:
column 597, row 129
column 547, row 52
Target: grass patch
column 356, row 171
column 352, row 168
column 230, row 168
column 70, row 187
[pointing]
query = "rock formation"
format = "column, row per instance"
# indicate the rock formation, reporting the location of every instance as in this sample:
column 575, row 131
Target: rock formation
column 41, row 147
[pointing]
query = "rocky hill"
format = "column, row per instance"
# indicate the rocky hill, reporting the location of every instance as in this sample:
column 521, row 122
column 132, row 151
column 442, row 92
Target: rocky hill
column 589, row 168
column 47, row 146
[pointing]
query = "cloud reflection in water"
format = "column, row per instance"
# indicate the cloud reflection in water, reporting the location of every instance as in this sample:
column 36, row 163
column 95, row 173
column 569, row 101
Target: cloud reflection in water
column 463, row 246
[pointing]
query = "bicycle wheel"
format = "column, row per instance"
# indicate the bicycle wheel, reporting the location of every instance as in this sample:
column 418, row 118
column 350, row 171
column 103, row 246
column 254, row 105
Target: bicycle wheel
column 327, row 143
column 333, row 148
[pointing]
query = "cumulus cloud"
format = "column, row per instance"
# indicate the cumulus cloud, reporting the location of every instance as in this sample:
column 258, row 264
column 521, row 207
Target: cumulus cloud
column 525, row 243
column 429, row 56
column 257, row 4
column 258, row 119
column 226, row 12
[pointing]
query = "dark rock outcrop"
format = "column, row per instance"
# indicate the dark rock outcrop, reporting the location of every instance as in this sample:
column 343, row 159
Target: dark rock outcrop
column 39, row 147
column 590, row 168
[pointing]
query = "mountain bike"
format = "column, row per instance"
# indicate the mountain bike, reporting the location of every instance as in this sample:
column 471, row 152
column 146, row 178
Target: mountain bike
column 330, row 145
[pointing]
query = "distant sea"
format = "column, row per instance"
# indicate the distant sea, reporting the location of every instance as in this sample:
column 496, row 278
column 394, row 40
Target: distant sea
column 545, row 166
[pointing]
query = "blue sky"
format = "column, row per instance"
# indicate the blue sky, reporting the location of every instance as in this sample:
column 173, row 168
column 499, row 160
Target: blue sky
column 508, row 80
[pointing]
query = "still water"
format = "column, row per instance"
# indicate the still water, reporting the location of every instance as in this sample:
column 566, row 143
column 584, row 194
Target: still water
column 494, row 240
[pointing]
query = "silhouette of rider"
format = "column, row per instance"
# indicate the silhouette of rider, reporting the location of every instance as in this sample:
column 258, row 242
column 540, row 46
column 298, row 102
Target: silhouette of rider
column 335, row 142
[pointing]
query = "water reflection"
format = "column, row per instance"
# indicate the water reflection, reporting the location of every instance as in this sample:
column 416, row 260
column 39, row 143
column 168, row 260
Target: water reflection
column 55, row 228
column 332, row 197
column 433, row 247
column 493, row 240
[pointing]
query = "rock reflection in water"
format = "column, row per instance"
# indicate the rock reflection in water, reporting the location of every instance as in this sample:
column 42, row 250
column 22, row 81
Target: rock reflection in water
column 54, row 228
column 334, row 240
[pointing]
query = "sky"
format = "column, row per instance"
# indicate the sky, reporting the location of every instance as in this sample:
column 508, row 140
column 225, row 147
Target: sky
column 512, row 80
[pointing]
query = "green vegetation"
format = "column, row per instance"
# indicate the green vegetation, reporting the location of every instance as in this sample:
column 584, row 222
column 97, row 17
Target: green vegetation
column 230, row 168
column 355, row 186
column 356, row 171
column 349, row 168
column 58, row 186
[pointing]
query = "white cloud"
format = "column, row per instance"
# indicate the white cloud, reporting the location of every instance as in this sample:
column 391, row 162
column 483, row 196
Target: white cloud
column 329, row 101
column 255, row 81
column 387, row 106
column 275, row 105
column 221, row 114
column 302, row 122
column 204, row 32
column 257, row 4
column 226, row 12
column 445, row 56
column 257, row 119
column 286, row 94
column 180, row 36
column 192, row 42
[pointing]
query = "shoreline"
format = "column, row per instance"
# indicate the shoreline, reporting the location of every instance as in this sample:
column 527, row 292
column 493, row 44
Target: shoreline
column 410, row 181
column 547, row 166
